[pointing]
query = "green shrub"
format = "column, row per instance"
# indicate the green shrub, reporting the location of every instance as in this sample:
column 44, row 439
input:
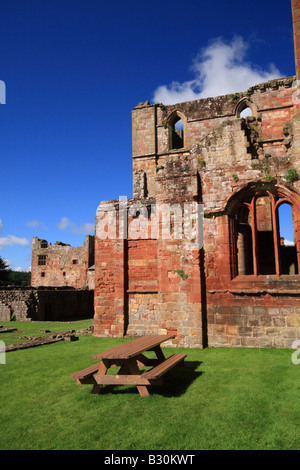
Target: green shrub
column 181, row 273
column 291, row 175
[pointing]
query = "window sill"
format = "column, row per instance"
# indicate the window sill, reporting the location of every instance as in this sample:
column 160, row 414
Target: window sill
column 263, row 284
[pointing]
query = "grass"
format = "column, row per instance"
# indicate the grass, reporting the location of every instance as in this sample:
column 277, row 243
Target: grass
column 35, row 328
column 224, row 398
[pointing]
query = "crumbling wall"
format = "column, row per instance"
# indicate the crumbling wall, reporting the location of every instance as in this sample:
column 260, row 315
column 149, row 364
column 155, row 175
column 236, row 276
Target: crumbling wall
column 64, row 304
column 61, row 264
column 158, row 285
column 45, row 304
column 17, row 303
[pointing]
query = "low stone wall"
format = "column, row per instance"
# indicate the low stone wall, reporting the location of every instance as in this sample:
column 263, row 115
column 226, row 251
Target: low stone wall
column 45, row 303
column 254, row 321
column 18, row 303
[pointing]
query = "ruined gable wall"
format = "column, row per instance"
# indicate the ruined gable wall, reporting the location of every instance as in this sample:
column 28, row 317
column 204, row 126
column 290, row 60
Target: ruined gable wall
column 65, row 265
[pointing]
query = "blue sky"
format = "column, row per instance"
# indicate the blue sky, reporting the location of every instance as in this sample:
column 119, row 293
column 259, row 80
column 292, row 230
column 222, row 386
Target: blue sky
column 73, row 72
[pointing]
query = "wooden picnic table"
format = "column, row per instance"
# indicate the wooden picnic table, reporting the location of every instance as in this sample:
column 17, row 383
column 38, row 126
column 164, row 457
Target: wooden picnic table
column 129, row 357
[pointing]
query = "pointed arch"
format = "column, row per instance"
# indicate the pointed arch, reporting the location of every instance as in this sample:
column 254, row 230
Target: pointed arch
column 176, row 123
column 242, row 105
column 255, row 243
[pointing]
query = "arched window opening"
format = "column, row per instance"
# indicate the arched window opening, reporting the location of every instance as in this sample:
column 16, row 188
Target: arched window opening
column 177, row 133
column 245, row 108
column 288, row 251
column 263, row 237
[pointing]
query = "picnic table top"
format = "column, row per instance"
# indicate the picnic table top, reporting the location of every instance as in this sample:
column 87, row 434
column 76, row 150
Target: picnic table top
column 133, row 348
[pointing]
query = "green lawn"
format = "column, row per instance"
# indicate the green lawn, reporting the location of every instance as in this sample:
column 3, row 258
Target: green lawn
column 224, row 398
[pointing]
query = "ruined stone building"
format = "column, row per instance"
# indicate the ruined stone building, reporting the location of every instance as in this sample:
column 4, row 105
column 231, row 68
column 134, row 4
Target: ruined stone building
column 61, row 265
column 62, row 284
column 241, row 287
column 236, row 282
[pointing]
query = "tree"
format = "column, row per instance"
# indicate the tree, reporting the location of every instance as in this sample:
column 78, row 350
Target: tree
column 18, row 278
column 4, row 274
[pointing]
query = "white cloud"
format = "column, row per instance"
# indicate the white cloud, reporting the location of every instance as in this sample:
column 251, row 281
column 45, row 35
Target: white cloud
column 19, row 269
column 84, row 229
column 64, row 223
column 11, row 240
column 33, row 223
column 221, row 68
column 36, row 223
column 288, row 243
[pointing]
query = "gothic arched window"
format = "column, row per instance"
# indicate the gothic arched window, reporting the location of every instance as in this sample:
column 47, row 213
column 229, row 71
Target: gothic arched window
column 245, row 108
column 176, row 131
column 258, row 242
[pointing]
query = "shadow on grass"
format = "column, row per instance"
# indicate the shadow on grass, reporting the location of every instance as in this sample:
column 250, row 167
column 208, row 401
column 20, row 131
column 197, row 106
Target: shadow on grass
column 175, row 383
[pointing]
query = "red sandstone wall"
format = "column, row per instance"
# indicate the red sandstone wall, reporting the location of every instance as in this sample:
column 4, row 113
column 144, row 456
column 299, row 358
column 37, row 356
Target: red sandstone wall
column 109, row 287
column 145, row 286
column 196, row 294
column 142, row 265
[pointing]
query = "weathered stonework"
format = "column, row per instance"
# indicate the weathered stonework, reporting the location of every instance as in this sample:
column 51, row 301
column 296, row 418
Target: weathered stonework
column 242, row 287
column 62, row 265
column 45, row 304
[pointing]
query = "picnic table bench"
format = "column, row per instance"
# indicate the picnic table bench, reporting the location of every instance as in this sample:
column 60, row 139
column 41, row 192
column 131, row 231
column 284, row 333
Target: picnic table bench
column 129, row 357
